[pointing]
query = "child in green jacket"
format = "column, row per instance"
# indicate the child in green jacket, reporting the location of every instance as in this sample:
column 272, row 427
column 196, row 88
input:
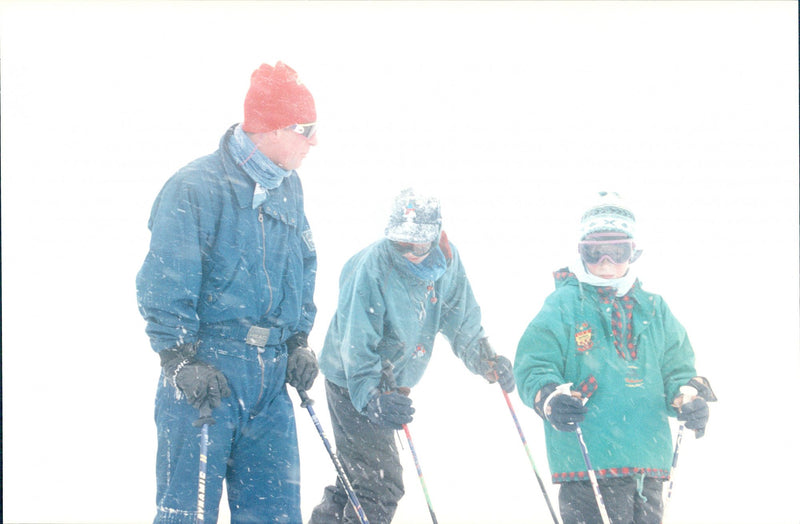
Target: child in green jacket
column 607, row 355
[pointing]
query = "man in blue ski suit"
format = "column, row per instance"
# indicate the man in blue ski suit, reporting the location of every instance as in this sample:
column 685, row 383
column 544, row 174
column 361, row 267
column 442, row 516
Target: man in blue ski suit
column 227, row 292
column 395, row 296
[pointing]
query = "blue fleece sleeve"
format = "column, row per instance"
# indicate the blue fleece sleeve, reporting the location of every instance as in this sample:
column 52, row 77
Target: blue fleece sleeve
column 308, row 310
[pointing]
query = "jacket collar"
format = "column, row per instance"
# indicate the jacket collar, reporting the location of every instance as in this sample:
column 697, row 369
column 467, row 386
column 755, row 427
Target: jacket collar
column 248, row 193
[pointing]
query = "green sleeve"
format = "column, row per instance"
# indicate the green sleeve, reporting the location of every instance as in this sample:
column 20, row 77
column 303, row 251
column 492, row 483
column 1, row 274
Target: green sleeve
column 677, row 367
column 541, row 353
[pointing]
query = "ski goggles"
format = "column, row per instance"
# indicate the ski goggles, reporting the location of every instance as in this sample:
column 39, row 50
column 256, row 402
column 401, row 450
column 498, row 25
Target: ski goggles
column 595, row 251
column 307, row 130
column 418, row 250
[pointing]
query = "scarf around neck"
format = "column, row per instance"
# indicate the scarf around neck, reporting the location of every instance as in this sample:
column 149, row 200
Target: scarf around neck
column 622, row 285
column 264, row 172
column 431, row 268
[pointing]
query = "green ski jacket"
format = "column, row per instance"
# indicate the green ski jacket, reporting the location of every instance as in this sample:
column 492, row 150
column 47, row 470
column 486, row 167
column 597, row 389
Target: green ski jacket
column 628, row 355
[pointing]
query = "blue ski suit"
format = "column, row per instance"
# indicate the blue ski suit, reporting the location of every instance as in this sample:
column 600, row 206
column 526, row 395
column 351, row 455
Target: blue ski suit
column 225, row 257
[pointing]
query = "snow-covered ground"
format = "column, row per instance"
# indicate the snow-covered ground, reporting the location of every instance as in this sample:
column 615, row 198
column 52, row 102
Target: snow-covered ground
column 513, row 112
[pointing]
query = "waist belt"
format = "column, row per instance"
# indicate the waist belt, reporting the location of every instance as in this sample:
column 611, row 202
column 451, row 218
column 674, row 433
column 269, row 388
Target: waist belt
column 253, row 335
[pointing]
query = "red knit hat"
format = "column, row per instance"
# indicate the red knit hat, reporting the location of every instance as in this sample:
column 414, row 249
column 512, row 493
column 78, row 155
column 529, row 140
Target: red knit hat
column 276, row 99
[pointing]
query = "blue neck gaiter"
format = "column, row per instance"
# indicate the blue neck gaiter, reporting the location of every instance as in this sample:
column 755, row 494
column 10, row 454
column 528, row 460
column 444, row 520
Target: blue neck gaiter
column 431, row 268
column 264, row 172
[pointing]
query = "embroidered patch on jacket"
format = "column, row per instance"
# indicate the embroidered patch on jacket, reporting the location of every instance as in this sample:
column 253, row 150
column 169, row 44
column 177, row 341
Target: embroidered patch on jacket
column 583, row 337
column 308, row 238
column 633, row 378
column 419, row 352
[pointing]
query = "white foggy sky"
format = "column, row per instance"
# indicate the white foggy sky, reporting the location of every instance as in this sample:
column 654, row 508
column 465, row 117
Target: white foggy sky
column 514, row 113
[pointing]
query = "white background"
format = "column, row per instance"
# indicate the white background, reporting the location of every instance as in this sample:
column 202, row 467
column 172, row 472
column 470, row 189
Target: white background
column 514, row 113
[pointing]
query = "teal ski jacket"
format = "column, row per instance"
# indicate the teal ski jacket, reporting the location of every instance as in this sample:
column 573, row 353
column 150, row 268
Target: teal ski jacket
column 628, row 355
column 386, row 312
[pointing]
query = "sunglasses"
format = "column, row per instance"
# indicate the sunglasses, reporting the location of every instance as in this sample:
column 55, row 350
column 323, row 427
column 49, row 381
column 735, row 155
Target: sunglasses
column 595, row 251
column 307, row 130
column 418, row 250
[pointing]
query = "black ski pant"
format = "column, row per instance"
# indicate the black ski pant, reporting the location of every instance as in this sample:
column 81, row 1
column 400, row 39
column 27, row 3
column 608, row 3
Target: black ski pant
column 622, row 497
column 370, row 459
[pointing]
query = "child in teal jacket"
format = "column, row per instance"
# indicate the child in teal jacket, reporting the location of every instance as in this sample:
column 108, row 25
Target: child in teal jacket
column 620, row 358
column 395, row 297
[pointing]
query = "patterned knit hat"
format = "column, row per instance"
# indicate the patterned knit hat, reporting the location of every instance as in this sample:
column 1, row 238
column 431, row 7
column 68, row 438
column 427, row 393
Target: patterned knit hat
column 415, row 218
column 276, row 99
column 608, row 214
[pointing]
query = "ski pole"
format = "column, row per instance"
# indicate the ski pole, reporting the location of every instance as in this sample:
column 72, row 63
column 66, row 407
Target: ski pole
column 201, row 481
column 592, row 477
column 565, row 389
column 387, row 380
column 530, row 457
column 419, row 473
column 687, row 392
column 340, row 472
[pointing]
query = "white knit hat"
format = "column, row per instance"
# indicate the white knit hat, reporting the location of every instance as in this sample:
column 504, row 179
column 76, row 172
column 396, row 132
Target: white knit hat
column 608, row 213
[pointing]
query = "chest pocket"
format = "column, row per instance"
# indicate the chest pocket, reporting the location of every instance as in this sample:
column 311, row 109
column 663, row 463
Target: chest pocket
column 280, row 213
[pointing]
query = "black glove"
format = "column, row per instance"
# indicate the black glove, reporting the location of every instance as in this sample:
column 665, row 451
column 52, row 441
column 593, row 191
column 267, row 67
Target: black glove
column 499, row 369
column 389, row 410
column 202, row 384
column 693, row 409
column 694, row 414
column 561, row 410
column 301, row 366
column 566, row 412
column 703, row 388
column 495, row 368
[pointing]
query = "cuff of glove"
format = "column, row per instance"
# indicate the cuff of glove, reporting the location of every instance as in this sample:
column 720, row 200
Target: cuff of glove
column 174, row 360
column 299, row 339
column 546, row 403
column 183, row 351
column 543, row 397
column 703, row 388
column 485, row 349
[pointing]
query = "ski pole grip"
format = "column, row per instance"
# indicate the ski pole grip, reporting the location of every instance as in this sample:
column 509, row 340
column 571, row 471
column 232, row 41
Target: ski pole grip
column 204, row 418
column 566, row 389
column 688, row 393
column 305, row 401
